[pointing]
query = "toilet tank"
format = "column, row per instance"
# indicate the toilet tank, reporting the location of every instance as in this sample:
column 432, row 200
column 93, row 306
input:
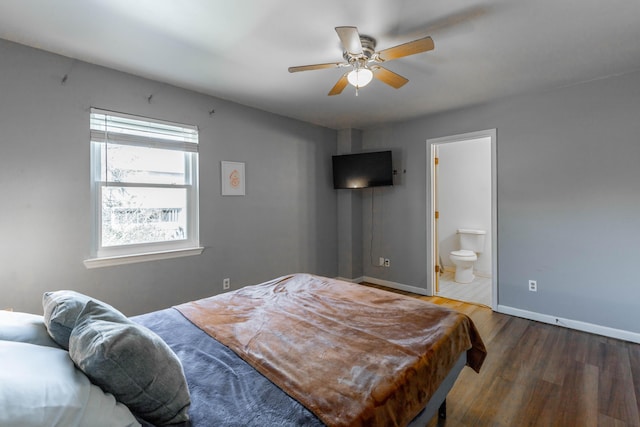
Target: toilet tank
column 471, row 240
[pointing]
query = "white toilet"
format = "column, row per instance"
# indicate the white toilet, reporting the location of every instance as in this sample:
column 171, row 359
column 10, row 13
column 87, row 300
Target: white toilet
column 471, row 244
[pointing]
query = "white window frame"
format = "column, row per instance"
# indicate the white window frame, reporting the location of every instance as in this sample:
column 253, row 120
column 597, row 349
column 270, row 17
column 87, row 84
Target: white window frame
column 102, row 256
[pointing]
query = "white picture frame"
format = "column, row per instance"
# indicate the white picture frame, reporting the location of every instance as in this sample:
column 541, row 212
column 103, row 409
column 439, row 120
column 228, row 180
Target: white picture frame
column 232, row 178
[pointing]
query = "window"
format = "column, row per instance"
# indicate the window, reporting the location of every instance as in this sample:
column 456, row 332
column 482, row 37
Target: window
column 144, row 176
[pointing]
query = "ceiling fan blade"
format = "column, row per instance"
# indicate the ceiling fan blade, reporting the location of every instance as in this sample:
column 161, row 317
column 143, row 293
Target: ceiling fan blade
column 317, row 66
column 339, row 86
column 411, row 48
column 350, row 39
column 389, row 77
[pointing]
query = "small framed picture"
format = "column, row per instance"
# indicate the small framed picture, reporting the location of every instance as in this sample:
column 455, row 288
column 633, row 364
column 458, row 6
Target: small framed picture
column 232, row 178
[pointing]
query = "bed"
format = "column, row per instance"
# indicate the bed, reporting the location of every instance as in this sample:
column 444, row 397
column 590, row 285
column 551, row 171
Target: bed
column 299, row 350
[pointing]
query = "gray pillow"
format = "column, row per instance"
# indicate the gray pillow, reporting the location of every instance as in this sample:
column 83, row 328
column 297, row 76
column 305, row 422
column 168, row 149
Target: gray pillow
column 131, row 362
column 61, row 310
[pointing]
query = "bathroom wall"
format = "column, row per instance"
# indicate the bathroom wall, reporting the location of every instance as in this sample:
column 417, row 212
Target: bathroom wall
column 464, row 196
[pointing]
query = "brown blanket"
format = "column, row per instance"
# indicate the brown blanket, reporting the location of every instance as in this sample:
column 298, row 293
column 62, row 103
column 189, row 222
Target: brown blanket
column 353, row 355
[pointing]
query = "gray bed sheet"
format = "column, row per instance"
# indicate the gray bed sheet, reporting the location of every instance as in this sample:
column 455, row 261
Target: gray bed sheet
column 225, row 390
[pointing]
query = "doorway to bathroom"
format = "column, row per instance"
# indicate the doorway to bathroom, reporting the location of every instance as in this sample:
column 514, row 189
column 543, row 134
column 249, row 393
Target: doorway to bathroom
column 461, row 185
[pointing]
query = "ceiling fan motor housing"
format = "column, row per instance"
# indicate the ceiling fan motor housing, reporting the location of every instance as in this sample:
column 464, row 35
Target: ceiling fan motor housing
column 368, row 49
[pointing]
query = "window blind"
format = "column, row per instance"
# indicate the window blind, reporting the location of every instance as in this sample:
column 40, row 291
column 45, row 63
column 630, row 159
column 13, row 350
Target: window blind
column 125, row 129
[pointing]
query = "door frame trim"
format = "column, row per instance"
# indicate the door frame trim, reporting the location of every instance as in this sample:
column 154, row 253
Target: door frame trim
column 431, row 261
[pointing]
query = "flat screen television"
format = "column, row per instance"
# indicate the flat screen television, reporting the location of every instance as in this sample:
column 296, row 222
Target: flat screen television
column 362, row 170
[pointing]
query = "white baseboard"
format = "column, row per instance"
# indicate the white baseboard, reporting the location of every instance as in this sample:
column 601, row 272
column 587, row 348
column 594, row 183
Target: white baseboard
column 531, row 315
column 386, row 283
column 356, row 280
column 572, row 324
column 395, row 285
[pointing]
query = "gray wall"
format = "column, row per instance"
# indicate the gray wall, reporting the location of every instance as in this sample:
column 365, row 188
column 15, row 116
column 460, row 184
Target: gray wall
column 349, row 215
column 393, row 218
column 568, row 196
column 568, row 199
column 286, row 222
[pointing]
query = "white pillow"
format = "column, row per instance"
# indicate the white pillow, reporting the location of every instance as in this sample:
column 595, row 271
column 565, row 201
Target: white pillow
column 40, row 386
column 24, row 327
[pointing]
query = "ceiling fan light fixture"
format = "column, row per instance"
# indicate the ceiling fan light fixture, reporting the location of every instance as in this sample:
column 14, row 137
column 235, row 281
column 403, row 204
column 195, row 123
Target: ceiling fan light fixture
column 360, row 77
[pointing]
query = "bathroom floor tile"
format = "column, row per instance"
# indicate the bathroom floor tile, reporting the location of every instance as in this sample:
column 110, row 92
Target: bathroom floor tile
column 478, row 291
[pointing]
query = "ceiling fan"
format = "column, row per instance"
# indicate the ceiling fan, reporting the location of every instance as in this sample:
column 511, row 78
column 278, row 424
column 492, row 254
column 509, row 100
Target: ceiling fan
column 360, row 55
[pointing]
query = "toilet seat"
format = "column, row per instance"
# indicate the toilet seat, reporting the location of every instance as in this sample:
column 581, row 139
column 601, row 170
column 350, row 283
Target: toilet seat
column 465, row 254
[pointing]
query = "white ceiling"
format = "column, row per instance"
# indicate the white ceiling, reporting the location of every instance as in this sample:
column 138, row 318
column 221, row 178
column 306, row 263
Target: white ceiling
column 240, row 49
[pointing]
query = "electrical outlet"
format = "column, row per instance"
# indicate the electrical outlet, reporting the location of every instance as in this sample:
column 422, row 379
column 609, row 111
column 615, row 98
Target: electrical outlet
column 226, row 283
column 387, row 262
column 533, row 286
column 381, row 262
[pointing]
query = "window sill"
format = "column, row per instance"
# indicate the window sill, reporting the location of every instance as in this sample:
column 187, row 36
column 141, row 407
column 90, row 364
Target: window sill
column 131, row 259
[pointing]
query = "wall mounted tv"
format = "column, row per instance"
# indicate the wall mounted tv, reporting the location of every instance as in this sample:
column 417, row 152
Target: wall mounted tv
column 362, row 170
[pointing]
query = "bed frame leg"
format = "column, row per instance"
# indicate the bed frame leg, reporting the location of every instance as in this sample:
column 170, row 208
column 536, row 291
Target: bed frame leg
column 442, row 411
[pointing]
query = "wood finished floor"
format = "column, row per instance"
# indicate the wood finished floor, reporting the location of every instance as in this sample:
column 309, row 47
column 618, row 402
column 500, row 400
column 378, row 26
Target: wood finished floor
column 537, row 374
